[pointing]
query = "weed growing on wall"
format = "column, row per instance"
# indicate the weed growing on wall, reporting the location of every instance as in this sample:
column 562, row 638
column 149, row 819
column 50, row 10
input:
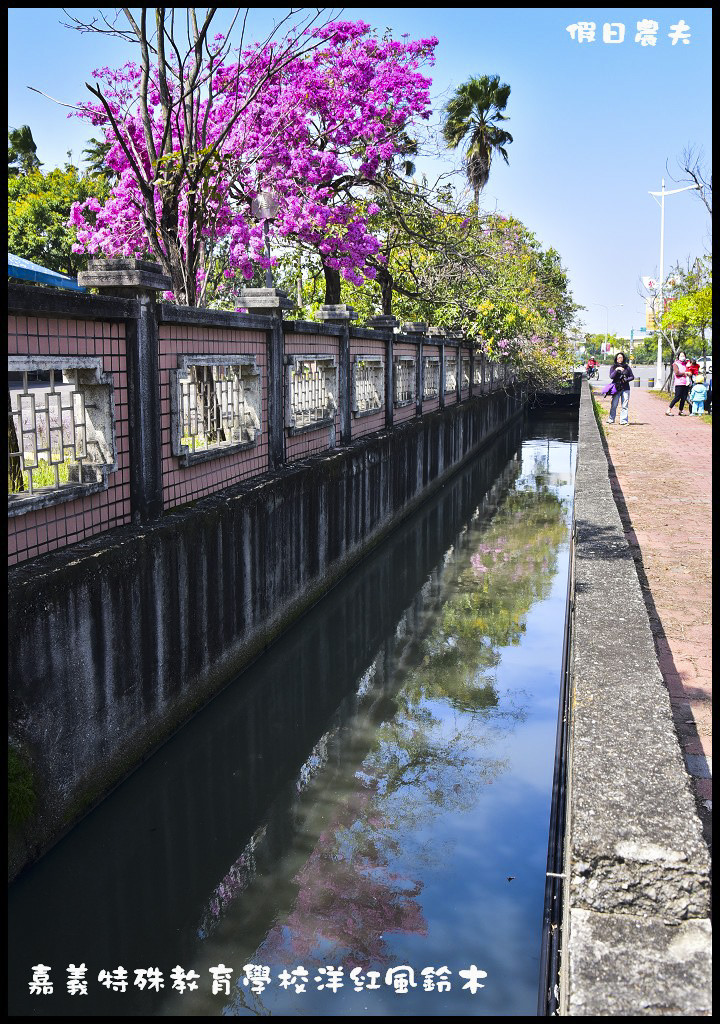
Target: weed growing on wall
column 21, row 788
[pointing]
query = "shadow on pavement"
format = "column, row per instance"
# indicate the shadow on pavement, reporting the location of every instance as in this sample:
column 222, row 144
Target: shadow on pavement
column 686, row 730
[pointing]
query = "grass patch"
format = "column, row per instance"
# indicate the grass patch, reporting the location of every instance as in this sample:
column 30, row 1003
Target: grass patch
column 663, row 396
column 599, row 415
column 44, row 475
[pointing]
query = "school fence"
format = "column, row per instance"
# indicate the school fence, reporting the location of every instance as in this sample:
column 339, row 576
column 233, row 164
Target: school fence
column 121, row 408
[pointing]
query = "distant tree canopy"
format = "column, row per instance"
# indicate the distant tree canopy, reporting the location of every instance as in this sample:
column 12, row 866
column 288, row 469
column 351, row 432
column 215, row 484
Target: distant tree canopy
column 38, row 213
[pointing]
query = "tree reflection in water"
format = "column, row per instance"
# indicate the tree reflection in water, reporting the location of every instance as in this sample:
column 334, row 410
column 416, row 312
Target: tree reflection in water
column 425, row 757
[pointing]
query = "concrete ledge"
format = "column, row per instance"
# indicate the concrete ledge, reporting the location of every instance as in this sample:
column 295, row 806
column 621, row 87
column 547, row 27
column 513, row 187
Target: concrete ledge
column 54, row 303
column 634, row 841
column 636, row 967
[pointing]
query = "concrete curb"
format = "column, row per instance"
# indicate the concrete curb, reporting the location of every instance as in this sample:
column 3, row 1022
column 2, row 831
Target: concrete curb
column 636, row 861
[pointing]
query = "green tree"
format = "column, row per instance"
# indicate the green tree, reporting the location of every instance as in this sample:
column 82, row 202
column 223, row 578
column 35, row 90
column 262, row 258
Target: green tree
column 688, row 311
column 38, row 213
column 22, row 151
column 691, row 312
column 645, row 352
column 471, row 117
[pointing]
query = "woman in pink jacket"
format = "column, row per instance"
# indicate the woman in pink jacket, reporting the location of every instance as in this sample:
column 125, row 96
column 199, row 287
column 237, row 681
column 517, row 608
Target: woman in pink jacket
column 681, row 380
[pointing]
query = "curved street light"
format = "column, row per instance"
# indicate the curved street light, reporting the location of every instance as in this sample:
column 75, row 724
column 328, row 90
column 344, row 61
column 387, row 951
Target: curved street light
column 662, row 193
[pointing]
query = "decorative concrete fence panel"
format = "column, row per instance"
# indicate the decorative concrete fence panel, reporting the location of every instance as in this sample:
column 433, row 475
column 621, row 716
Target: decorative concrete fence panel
column 452, row 373
column 431, row 377
column 213, row 406
column 368, row 368
column 465, row 374
column 405, row 356
column 311, row 385
column 68, row 474
column 479, row 374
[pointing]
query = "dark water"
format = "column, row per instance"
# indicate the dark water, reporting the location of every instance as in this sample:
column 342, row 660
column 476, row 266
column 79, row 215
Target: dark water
column 373, row 794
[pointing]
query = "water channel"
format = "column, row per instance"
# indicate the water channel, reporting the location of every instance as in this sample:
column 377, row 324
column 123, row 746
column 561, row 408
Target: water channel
column 372, row 794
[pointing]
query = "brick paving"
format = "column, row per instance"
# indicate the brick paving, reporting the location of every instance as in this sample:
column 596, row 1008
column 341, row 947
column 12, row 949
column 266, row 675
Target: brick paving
column 660, row 472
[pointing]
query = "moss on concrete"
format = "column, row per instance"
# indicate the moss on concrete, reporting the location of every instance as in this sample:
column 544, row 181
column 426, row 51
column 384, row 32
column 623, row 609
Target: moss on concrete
column 21, row 787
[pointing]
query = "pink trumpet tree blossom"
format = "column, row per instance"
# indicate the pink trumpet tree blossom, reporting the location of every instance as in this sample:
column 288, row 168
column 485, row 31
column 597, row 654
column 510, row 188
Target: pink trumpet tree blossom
column 312, row 119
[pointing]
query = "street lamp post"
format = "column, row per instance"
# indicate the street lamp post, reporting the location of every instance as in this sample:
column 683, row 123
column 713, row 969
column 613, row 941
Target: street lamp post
column 265, row 208
column 618, row 305
column 267, row 301
column 658, row 326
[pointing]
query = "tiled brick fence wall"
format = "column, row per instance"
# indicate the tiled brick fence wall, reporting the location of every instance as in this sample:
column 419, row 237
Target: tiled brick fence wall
column 38, row 530
column 139, row 347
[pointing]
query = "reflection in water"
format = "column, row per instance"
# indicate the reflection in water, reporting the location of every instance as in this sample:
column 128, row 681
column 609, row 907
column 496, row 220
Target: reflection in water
column 376, row 839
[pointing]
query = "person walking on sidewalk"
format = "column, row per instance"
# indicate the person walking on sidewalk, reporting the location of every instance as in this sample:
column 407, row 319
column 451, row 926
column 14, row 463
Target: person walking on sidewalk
column 681, row 381
column 620, row 374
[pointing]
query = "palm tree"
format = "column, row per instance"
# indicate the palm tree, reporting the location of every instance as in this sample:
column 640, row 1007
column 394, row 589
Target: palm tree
column 471, row 116
column 95, row 154
column 22, row 151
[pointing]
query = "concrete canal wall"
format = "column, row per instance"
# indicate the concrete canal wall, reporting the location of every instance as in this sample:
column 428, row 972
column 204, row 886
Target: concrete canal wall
column 117, row 639
column 636, row 934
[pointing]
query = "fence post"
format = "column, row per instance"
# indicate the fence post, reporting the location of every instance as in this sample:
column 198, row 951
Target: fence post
column 441, row 386
column 389, row 381
column 270, row 303
column 139, row 280
column 276, row 388
column 345, row 383
column 439, row 334
column 341, row 314
column 387, row 323
column 418, row 330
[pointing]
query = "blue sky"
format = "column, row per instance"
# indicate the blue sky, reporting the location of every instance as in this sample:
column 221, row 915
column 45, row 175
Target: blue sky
column 594, row 124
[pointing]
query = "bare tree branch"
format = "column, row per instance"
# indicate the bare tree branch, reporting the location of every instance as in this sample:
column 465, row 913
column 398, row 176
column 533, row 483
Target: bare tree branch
column 692, row 165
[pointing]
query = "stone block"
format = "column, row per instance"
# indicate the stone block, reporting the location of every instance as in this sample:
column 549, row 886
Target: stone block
column 265, row 301
column 623, row 966
column 121, row 275
column 383, row 322
column 338, row 313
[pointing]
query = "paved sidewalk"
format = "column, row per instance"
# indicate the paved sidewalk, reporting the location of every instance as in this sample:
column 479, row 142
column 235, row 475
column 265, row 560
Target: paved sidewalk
column 660, row 472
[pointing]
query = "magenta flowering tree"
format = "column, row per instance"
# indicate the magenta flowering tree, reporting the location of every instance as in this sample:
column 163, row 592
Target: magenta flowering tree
column 195, row 137
column 353, row 101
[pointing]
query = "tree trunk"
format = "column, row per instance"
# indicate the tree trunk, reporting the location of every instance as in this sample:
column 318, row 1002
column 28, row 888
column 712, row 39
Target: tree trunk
column 386, row 291
column 298, row 283
column 332, row 285
column 704, row 348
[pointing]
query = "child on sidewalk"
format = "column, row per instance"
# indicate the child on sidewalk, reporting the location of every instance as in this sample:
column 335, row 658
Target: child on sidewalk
column 697, row 396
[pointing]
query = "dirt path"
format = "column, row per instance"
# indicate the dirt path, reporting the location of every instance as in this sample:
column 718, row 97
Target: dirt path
column 660, row 471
